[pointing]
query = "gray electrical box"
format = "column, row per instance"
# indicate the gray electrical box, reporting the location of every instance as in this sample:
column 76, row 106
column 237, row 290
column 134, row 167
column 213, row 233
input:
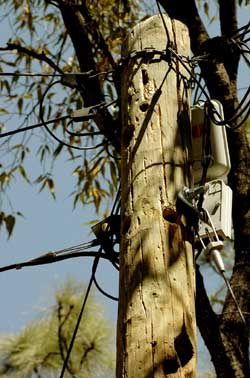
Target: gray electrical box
column 220, row 161
column 218, row 202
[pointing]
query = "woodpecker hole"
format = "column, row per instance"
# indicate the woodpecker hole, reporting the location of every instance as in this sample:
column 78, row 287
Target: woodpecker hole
column 170, row 214
column 144, row 106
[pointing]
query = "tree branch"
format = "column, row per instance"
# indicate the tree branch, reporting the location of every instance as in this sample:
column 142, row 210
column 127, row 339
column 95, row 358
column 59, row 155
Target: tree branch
column 187, row 12
column 94, row 30
column 31, row 52
column 85, row 354
column 229, row 25
column 238, row 345
column 222, row 86
column 91, row 91
column 62, row 341
column 228, row 19
column 208, row 324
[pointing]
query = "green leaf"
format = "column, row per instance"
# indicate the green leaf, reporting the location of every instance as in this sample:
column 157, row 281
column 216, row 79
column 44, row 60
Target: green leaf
column 10, row 221
column 2, row 216
column 206, row 9
column 51, row 186
column 40, row 179
column 20, row 105
column 20, row 214
column 113, row 172
column 4, row 111
column 23, row 173
column 58, row 150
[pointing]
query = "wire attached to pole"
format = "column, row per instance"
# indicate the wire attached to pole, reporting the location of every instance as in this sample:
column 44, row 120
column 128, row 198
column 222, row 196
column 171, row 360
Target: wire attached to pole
column 51, row 133
column 94, row 267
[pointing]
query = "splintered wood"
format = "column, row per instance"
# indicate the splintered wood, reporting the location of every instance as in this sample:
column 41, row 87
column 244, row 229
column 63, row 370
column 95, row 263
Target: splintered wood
column 156, row 320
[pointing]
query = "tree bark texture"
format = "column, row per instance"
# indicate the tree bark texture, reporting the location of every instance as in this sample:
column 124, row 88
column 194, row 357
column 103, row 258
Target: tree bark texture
column 156, row 319
column 220, row 79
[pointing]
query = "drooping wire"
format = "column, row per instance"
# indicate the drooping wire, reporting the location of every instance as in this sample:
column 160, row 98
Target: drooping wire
column 105, row 293
column 91, row 281
column 245, row 29
column 89, row 74
column 240, row 109
column 190, row 73
column 197, row 96
column 51, row 133
column 114, row 211
column 79, row 134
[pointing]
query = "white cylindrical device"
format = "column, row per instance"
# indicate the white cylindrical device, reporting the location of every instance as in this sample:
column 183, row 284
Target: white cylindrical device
column 220, row 160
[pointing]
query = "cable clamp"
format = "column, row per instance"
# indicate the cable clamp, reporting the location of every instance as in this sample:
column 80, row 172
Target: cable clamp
column 187, row 200
column 86, row 114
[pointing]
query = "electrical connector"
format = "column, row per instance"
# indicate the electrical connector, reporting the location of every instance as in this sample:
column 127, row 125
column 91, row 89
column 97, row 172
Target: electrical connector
column 84, row 114
column 213, row 253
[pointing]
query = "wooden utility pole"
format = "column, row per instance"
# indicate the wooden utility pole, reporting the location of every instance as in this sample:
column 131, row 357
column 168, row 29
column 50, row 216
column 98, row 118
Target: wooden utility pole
column 156, row 320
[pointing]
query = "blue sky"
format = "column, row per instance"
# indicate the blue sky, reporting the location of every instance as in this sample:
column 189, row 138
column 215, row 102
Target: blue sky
column 50, row 225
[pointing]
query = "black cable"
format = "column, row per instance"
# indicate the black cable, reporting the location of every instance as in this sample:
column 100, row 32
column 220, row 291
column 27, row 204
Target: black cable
column 190, row 73
column 94, row 267
column 110, row 154
column 51, row 258
column 164, row 24
column 227, row 122
column 89, row 74
column 237, row 112
column 75, row 133
column 245, row 29
column 104, row 292
column 8, row 133
column 196, row 97
column 30, row 74
column 51, row 133
column 224, row 122
column 246, row 40
column 242, row 121
column 91, row 281
column 86, row 114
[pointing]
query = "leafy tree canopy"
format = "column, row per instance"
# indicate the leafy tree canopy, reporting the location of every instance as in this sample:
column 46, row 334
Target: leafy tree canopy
column 40, row 348
column 42, row 40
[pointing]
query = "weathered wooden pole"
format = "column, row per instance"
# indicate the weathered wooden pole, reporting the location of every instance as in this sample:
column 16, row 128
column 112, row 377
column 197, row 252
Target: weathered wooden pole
column 156, row 320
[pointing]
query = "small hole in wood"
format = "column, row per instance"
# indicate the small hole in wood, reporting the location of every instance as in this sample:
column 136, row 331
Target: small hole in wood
column 144, row 106
column 145, row 77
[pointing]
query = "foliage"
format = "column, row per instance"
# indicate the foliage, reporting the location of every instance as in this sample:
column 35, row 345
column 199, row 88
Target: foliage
column 92, row 354
column 39, row 42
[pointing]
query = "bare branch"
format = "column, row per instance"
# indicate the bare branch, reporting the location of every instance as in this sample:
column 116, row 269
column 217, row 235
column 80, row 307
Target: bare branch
column 62, row 341
column 31, row 52
column 208, row 325
column 91, row 93
column 228, row 17
column 187, row 12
